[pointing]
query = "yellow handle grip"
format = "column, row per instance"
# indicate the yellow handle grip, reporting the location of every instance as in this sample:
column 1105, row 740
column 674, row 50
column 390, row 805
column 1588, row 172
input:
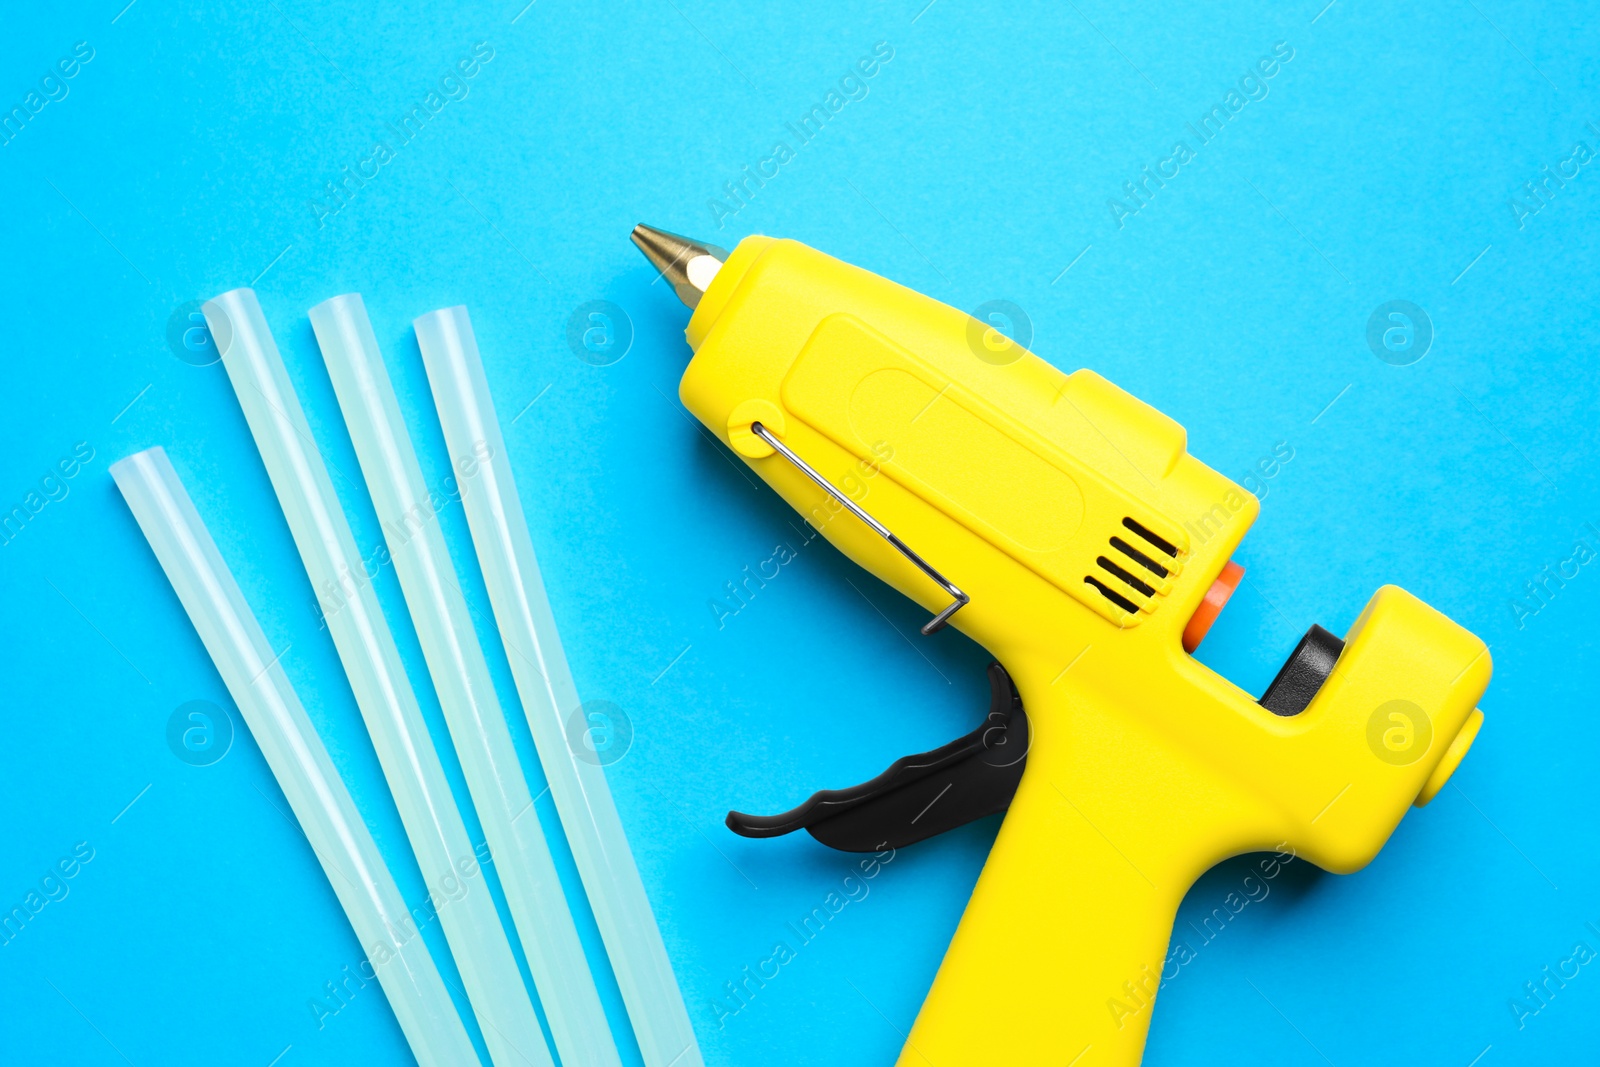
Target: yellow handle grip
column 1058, row 956
column 1059, row 953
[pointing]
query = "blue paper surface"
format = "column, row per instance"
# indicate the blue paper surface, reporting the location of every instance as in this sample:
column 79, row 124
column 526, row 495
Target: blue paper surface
column 1419, row 153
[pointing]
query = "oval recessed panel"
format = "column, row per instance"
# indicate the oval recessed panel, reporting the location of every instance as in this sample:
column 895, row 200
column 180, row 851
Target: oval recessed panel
column 965, row 458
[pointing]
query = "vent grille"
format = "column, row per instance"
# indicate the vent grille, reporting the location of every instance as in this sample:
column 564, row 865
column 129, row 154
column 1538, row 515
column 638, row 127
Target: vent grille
column 1136, row 570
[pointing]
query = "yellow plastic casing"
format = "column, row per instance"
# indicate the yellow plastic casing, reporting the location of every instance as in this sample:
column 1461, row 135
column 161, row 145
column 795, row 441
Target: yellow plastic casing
column 1146, row 768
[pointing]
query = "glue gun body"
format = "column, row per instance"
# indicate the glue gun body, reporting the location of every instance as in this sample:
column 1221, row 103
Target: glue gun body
column 1061, row 524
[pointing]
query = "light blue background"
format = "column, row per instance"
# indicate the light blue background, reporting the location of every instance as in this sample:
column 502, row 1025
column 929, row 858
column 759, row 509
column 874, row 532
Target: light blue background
column 1380, row 166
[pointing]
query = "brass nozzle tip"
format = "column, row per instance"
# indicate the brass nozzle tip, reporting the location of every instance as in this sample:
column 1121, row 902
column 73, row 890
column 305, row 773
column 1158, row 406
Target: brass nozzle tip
column 688, row 265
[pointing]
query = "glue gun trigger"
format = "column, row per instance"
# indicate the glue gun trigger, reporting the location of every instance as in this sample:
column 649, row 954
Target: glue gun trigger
column 918, row 796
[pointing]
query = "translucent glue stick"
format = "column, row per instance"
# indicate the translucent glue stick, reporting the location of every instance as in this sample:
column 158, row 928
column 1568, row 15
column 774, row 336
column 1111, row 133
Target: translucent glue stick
column 299, row 762
column 371, row 661
column 461, row 676
column 544, row 681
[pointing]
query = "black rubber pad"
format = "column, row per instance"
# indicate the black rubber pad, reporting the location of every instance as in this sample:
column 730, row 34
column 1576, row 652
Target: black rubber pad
column 1304, row 672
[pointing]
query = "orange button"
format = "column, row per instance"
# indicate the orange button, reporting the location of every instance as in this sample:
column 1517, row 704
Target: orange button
column 1211, row 606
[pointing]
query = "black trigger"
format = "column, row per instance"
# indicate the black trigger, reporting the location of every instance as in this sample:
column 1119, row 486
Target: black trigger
column 919, row 796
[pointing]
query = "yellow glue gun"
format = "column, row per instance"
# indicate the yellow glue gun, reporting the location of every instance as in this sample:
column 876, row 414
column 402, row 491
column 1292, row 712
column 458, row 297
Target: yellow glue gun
column 1060, row 523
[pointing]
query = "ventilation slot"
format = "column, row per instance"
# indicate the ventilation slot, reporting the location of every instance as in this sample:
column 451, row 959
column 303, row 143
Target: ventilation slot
column 1130, row 577
column 1112, row 595
column 1137, row 584
column 1151, row 538
column 1139, row 557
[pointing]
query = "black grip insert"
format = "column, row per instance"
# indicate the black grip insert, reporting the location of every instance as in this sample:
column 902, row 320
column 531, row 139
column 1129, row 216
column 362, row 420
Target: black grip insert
column 1302, row 675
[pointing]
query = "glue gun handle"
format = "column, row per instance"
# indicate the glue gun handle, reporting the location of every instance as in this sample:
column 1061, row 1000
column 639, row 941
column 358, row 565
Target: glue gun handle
column 1060, row 951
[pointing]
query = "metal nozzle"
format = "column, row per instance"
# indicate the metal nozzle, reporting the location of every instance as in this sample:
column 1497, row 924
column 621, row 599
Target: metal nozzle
column 688, row 265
